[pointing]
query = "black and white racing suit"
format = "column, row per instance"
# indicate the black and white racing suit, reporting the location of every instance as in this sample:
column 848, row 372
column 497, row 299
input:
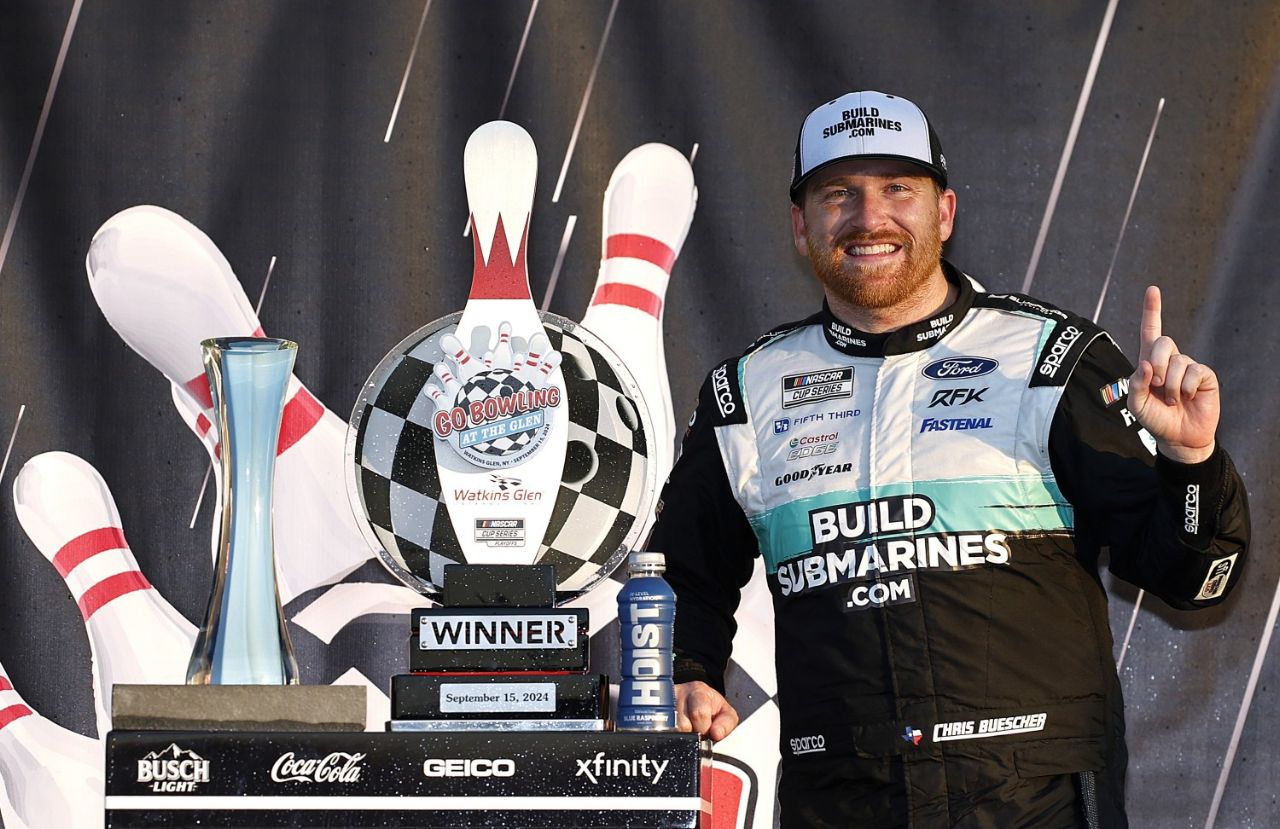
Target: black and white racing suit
column 930, row 505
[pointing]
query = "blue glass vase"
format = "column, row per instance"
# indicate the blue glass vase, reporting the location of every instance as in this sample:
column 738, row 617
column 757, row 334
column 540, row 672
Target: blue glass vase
column 244, row 640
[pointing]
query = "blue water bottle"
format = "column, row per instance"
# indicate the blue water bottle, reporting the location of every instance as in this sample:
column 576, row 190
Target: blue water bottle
column 646, row 612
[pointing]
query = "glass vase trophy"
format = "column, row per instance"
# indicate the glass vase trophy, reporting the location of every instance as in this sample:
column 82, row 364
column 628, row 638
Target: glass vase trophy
column 499, row 461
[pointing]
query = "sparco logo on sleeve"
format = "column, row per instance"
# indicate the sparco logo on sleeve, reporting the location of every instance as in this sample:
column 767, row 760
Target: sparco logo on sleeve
column 1191, row 509
column 814, row 386
column 808, row 745
column 724, row 397
column 1053, row 361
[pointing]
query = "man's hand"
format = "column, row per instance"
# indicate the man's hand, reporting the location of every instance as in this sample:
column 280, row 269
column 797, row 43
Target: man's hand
column 701, row 708
column 1172, row 396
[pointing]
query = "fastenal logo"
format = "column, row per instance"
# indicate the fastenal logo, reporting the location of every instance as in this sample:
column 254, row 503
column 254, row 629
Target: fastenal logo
column 959, row 368
column 594, row 768
column 337, row 767
column 1053, row 361
column 724, row 395
column 954, row 424
column 814, row 386
column 468, row 767
column 173, row 770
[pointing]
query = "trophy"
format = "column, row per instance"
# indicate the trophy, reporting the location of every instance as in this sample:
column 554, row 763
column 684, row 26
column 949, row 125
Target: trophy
column 500, row 461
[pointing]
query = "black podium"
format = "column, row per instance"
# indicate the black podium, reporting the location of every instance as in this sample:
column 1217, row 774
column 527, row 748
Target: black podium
column 441, row 779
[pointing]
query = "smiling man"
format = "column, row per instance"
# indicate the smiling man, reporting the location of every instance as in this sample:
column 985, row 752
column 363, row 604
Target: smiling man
column 930, row 473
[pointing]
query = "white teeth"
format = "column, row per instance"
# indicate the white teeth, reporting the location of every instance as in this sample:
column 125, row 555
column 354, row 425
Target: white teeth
column 871, row 250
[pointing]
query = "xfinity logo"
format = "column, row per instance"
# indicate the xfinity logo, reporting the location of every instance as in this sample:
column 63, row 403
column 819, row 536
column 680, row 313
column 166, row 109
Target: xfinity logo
column 959, row 368
column 724, row 397
column 1191, row 509
column 956, row 397
column 1049, row 367
column 593, row 768
column 468, row 767
column 337, row 767
column 173, row 770
column 808, row 745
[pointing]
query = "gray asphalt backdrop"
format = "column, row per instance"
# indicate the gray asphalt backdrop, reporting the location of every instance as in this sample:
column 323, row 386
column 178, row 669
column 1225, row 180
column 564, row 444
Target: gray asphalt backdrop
column 270, row 126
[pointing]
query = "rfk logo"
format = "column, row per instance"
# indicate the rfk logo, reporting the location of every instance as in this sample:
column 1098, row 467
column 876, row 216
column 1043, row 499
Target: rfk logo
column 956, row 397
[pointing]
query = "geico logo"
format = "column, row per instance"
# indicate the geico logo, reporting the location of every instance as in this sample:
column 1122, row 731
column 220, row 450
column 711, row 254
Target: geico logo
column 1191, row 509
column 724, row 397
column 811, row 451
column 900, row 512
column 880, row 593
column 950, row 551
column 468, row 767
column 813, row 472
column 1059, row 350
column 806, row 745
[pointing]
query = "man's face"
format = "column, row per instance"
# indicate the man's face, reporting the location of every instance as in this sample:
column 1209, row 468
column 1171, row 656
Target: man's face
column 873, row 230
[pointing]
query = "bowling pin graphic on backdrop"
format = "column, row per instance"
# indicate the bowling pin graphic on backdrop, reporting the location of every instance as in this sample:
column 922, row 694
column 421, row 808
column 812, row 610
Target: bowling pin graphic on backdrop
column 164, row 287
column 500, row 166
column 648, row 207
column 135, row 635
column 49, row 776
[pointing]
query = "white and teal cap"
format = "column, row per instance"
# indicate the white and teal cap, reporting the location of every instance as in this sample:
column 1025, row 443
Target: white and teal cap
column 866, row 125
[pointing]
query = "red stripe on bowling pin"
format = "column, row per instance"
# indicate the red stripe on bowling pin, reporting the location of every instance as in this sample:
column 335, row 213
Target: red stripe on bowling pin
column 13, row 712
column 502, row 276
column 300, row 416
column 632, row 296
column 637, row 246
column 85, row 546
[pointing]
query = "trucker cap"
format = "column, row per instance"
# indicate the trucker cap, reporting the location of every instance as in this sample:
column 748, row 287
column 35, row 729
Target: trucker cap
column 866, row 125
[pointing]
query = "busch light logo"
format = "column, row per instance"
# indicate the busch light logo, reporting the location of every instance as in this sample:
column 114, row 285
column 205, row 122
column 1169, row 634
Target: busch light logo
column 959, row 368
column 173, row 770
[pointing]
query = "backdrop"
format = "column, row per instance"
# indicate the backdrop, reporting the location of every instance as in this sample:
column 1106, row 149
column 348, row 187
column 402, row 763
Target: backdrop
column 1096, row 147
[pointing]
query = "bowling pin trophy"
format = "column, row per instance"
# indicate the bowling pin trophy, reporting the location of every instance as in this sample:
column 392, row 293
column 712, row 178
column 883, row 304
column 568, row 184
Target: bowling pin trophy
column 500, row 461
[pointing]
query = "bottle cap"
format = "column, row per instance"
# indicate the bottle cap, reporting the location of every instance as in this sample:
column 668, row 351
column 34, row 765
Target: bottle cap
column 644, row 558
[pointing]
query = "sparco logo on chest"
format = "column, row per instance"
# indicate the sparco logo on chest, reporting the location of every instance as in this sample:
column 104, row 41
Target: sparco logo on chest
column 959, row 368
column 1053, row 361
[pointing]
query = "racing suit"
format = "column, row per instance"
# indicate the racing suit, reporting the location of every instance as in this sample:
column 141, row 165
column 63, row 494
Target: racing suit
column 931, row 504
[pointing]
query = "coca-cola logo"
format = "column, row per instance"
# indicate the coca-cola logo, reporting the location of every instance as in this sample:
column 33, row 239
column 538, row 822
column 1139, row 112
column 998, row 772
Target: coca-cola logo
column 337, row 767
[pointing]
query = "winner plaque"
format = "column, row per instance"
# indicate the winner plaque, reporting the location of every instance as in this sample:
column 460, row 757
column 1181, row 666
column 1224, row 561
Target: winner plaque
column 499, row 461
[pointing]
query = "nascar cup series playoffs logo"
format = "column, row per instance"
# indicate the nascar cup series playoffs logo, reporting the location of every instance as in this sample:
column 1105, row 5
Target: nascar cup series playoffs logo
column 496, row 409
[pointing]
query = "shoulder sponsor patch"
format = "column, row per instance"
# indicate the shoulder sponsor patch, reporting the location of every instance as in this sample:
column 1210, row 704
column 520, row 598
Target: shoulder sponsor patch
column 1215, row 584
column 1114, row 392
column 815, row 386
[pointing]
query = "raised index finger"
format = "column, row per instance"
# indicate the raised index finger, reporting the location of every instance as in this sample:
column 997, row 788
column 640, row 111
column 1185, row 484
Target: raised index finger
column 1150, row 329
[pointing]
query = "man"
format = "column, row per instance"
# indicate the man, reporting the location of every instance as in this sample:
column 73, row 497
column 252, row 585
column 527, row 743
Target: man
column 930, row 473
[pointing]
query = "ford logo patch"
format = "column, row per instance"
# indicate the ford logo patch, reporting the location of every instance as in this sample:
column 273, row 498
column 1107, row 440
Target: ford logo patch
column 959, row 368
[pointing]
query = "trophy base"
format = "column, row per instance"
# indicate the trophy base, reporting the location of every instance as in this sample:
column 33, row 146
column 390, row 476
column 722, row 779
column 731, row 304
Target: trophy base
column 496, row 725
column 238, row 707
